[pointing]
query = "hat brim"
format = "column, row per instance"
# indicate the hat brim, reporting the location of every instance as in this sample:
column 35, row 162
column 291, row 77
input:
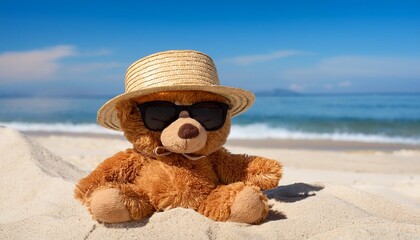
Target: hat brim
column 239, row 99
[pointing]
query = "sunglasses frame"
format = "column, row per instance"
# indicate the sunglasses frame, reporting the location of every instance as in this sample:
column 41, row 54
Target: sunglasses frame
column 178, row 109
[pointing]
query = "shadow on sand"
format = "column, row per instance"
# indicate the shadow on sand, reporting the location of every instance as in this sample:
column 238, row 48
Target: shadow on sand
column 293, row 192
column 289, row 194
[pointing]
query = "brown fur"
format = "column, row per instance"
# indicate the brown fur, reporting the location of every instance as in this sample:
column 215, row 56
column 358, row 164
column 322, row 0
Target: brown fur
column 148, row 183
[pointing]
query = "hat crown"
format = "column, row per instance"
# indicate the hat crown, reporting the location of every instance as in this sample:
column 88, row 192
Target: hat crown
column 171, row 68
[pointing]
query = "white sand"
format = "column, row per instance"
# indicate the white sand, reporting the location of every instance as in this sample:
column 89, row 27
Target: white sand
column 36, row 200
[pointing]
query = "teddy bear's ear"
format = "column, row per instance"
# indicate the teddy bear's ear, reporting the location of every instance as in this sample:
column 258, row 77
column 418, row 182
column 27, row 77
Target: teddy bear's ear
column 125, row 106
column 129, row 115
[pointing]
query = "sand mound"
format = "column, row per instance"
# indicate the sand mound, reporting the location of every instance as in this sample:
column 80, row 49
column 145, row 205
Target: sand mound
column 36, row 202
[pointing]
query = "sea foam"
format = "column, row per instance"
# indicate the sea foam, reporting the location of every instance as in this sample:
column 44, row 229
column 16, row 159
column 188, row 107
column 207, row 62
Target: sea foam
column 263, row 131
column 59, row 127
column 251, row 131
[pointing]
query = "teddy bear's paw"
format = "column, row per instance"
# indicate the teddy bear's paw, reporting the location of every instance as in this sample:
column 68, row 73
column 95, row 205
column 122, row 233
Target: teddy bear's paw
column 107, row 205
column 249, row 206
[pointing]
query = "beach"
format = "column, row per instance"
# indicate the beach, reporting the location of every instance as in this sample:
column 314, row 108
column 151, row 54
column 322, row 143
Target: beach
column 330, row 90
column 329, row 190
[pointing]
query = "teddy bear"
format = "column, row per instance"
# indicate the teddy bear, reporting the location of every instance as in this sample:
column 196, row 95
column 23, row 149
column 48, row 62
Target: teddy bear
column 177, row 116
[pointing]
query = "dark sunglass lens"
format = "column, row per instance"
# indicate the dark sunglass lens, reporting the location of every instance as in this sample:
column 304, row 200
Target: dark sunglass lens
column 211, row 115
column 158, row 115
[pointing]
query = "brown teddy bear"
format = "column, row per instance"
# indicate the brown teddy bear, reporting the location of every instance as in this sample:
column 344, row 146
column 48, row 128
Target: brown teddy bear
column 177, row 116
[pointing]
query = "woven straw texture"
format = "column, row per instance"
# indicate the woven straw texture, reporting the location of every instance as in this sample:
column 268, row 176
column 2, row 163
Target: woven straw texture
column 174, row 70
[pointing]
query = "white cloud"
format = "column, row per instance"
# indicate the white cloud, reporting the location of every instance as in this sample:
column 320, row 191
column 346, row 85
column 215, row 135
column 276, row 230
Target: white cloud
column 346, row 68
column 251, row 59
column 296, row 87
column 39, row 64
column 328, row 86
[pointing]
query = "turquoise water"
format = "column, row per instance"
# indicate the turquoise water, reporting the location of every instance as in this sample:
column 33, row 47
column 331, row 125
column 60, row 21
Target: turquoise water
column 389, row 115
column 374, row 118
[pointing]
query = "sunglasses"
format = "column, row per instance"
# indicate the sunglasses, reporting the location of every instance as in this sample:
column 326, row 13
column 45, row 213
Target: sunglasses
column 157, row 115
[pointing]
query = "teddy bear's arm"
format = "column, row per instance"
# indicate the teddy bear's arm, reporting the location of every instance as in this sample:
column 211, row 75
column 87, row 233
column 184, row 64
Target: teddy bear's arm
column 262, row 172
column 118, row 169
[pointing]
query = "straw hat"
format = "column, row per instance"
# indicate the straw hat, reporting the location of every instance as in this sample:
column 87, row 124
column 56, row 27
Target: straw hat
column 172, row 71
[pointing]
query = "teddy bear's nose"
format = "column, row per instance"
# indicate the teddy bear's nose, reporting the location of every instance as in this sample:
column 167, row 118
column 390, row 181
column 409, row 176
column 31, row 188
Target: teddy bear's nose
column 188, row 131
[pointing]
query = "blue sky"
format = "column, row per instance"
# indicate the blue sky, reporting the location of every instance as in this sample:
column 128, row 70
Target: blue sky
column 83, row 47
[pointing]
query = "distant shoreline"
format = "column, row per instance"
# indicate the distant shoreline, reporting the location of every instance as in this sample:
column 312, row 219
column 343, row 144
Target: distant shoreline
column 264, row 93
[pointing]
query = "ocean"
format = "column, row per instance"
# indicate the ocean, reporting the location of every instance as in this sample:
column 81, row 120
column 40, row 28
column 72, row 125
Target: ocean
column 381, row 118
